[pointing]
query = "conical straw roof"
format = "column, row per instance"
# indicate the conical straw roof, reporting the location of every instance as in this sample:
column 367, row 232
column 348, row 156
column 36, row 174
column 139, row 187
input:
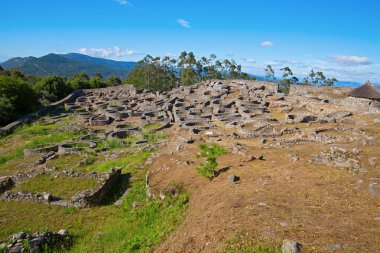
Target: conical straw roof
column 367, row 90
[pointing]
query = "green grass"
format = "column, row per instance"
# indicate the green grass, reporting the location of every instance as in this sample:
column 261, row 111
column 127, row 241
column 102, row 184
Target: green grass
column 114, row 143
column 31, row 136
column 62, row 187
column 65, row 162
column 153, row 137
column 14, row 154
column 106, row 228
column 152, row 126
column 244, row 244
column 132, row 161
column 138, row 229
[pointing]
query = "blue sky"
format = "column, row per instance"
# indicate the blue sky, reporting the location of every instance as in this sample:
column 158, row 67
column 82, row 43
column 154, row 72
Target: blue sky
column 341, row 37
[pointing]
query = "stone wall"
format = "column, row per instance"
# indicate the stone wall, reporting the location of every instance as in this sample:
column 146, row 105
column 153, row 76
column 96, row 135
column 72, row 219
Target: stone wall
column 329, row 91
column 98, row 195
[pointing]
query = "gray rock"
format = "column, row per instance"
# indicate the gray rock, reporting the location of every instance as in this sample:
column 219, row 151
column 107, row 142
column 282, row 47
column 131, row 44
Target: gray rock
column 233, row 178
column 63, row 232
column 291, row 247
column 35, row 242
column 334, row 247
column 372, row 161
column 374, row 189
column 21, row 235
column 136, row 204
column 16, row 249
column 35, row 249
column 47, row 196
column 356, row 151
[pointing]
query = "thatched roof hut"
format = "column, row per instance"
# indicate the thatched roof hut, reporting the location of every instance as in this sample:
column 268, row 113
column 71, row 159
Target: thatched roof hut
column 367, row 90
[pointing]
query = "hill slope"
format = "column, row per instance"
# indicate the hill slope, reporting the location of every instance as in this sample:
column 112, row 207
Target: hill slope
column 68, row 65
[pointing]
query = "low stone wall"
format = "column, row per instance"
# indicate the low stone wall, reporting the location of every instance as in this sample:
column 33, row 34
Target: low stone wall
column 41, row 112
column 328, row 91
column 6, row 183
column 361, row 104
column 98, row 195
column 38, row 242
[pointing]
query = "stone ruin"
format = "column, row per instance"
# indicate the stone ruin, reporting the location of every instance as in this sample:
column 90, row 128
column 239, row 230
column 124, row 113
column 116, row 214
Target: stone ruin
column 234, row 108
column 38, row 242
column 87, row 198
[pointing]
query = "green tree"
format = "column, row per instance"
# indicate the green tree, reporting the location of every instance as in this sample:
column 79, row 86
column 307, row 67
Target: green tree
column 6, row 111
column 17, row 96
column 113, row 81
column 269, row 73
column 53, row 88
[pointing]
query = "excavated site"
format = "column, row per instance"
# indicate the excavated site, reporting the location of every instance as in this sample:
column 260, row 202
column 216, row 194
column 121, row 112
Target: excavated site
column 303, row 166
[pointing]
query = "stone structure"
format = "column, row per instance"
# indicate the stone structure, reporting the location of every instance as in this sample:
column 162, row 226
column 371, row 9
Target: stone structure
column 37, row 242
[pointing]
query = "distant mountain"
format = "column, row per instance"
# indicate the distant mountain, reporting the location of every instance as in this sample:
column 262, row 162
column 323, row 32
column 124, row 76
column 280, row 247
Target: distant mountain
column 122, row 65
column 68, row 65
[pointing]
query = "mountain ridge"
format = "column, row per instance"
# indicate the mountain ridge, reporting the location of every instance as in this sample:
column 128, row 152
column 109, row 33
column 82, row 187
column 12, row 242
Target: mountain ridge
column 68, row 65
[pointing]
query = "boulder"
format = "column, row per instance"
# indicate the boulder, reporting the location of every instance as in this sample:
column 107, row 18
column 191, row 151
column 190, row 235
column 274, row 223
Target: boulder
column 291, row 247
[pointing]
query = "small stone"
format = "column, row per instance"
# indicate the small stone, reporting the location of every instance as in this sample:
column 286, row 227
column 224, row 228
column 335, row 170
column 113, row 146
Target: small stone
column 136, row 204
column 16, row 249
column 374, row 189
column 21, row 235
column 35, row 249
column 35, row 242
column 291, row 247
column 334, row 247
column 63, row 232
column 372, row 161
column 47, row 196
column 233, row 178
column 356, row 151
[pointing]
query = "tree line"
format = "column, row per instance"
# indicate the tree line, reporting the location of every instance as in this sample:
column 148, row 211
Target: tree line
column 288, row 78
column 166, row 73
column 21, row 94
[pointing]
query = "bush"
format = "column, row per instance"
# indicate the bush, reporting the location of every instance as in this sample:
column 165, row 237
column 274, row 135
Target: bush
column 53, row 88
column 211, row 153
column 17, row 98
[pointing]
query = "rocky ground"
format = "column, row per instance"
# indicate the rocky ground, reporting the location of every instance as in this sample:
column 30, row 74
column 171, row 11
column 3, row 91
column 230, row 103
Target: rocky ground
column 303, row 166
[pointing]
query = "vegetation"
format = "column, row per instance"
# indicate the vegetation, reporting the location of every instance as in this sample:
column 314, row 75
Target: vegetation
column 16, row 98
column 165, row 73
column 67, row 65
column 61, row 187
column 288, row 78
column 21, row 94
column 211, row 153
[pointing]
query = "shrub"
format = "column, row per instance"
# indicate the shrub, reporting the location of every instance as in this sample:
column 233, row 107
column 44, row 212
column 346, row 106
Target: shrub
column 211, row 153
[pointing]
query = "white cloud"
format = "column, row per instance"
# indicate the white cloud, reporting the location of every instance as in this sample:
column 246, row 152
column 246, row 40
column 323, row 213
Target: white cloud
column 266, row 44
column 124, row 2
column 249, row 60
column 349, row 60
column 115, row 52
column 184, row 23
